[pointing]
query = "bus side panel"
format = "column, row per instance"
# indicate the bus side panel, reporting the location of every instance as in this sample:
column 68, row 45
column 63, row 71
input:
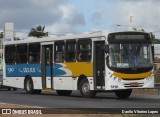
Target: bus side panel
column 80, row 68
column 19, row 82
column 9, row 81
column 66, row 74
column 63, row 83
column 69, row 83
column 37, row 82
column 16, row 73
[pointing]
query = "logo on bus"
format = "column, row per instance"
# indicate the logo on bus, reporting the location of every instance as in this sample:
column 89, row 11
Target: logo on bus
column 11, row 70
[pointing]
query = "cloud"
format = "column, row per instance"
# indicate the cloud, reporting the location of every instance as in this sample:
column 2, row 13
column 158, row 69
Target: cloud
column 146, row 14
column 71, row 16
column 31, row 13
column 79, row 16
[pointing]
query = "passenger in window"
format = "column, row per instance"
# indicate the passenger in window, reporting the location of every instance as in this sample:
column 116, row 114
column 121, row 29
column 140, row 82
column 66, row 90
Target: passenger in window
column 89, row 56
column 38, row 58
column 31, row 59
column 81, row 56
column 61, row 57
column 73, row 57
column 57, row 57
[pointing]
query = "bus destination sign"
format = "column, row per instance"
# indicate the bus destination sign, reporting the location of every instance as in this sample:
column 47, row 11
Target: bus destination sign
column 130, row 37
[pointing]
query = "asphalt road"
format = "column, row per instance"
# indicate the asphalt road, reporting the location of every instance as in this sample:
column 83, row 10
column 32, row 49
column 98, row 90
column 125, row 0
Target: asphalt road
column 102, row 100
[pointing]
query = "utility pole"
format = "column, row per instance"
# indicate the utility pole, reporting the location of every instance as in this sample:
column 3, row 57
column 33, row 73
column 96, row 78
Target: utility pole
column 1, row 50
column 130, row 23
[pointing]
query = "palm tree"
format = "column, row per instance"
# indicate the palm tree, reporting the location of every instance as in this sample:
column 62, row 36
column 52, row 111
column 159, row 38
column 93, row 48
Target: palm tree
column 38, row 32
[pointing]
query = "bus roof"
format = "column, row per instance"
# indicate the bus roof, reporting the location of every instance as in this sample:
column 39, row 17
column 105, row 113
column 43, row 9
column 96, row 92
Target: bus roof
column 66, row 37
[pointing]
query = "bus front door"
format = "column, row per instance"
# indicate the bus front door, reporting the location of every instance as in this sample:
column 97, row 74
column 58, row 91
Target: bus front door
column 99, row 64
column 47, row 66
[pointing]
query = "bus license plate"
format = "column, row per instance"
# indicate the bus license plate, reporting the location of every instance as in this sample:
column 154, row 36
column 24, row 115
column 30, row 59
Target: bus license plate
column 134, row 84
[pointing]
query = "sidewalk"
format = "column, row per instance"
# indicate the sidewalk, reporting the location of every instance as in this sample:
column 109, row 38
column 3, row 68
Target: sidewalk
column 146, row 91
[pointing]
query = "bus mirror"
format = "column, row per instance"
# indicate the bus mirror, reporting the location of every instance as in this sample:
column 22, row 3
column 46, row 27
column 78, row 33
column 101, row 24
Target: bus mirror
column 106, row 48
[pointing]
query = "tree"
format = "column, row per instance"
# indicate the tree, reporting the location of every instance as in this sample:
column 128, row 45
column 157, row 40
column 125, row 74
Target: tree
column 38, row 32
column 1, row 35
column 154, row 40
column 16, row 38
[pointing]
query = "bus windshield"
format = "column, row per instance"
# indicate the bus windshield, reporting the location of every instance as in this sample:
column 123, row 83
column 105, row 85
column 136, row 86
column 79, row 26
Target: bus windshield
column 130, row 55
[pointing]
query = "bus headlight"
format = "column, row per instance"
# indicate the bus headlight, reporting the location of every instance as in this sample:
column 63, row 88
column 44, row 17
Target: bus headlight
column 114, row 78
column 149, row 78
column 119, row 80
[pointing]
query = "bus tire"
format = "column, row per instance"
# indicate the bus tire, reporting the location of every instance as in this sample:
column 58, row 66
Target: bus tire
column 14, row 89
column 28, row 86
column 9, row 88
column 123, row 94
column 85, row 89
column 64, row 92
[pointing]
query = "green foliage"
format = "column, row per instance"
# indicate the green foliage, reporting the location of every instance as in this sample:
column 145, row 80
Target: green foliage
column 16, row 38
column 38, row 32
column 1, row 35
column 156, row 41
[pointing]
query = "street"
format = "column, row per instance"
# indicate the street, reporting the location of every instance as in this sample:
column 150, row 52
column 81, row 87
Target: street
column 102, row 100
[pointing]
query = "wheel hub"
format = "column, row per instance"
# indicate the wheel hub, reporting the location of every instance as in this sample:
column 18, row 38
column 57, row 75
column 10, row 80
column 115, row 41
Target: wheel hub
column 86, row 88
column 28, row 85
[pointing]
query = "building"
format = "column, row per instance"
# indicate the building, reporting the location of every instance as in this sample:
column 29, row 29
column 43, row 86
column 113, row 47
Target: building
column 1, row 53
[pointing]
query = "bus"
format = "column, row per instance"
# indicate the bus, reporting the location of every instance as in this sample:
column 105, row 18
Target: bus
column 90, row 63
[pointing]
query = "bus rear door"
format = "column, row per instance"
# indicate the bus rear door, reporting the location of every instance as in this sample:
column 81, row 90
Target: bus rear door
column 47, row 66
column 99, row 64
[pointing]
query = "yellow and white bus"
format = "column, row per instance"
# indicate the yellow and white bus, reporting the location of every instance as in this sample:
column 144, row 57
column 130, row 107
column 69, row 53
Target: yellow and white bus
column 91, row 63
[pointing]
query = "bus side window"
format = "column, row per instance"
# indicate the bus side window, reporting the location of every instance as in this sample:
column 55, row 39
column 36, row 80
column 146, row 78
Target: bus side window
column 59, row 51
column 34, row 53
column 21, row 55
column 84, row 50
column 70, row 51
column 10, row 57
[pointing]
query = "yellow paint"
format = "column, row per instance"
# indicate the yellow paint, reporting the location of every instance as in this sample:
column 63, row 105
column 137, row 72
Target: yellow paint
column 79, row 68
column 132, row 76
column 47, row 90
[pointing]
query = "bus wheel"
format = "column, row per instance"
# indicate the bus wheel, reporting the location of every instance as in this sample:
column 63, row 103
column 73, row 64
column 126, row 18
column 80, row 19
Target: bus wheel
column 28, row 86
column 85, row 89
column 14, row 89
column 123, row 94
column 9, row 89
column 64, row 92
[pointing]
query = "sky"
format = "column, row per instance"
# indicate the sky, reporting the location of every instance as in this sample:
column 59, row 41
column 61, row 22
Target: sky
column 78, row 16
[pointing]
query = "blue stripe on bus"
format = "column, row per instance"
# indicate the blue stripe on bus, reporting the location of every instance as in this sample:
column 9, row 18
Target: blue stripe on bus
column 34, row 70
